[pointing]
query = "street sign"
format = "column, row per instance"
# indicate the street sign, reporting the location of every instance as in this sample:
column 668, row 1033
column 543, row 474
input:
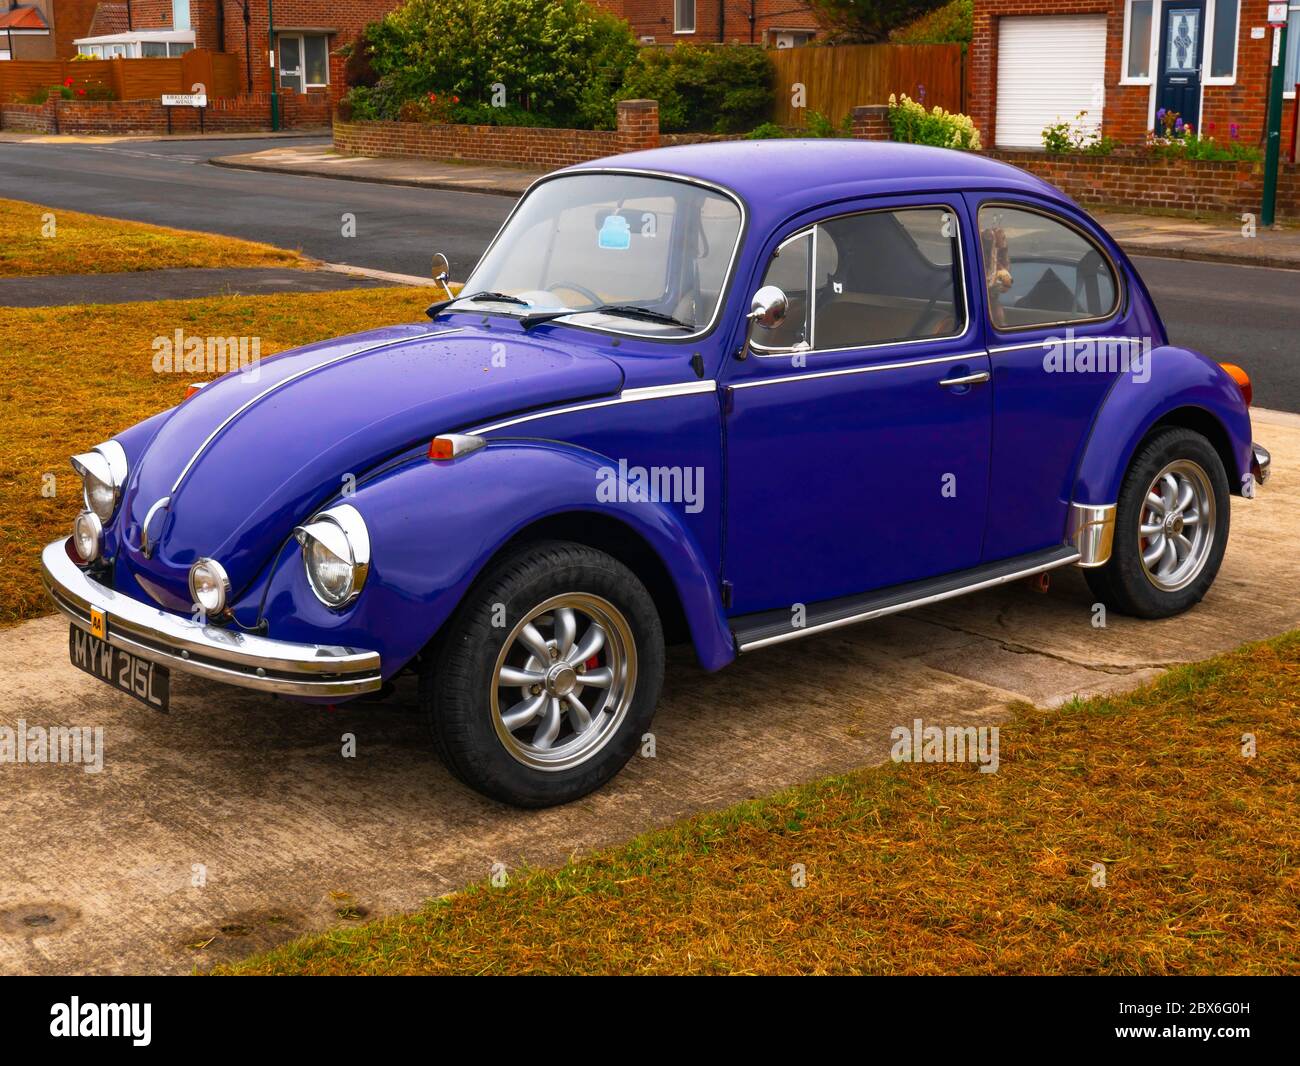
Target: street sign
column 185, row 100
column 1277, row 14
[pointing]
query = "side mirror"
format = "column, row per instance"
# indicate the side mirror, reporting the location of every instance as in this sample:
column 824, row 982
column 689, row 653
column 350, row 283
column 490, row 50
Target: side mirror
column 769, row 307
column 442, row 272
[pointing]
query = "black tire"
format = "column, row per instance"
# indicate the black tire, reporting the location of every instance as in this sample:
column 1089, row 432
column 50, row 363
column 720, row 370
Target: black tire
column 456, row 682
column 1123, row 583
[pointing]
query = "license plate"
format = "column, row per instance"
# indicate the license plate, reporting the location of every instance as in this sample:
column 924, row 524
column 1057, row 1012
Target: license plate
column 148, row 682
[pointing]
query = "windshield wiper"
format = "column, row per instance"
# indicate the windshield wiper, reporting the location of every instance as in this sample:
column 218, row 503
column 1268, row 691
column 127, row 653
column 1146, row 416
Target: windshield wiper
column 500, row 297
column 626, row 310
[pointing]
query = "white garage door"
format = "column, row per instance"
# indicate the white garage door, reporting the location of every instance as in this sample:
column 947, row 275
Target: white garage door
column 1050, row 68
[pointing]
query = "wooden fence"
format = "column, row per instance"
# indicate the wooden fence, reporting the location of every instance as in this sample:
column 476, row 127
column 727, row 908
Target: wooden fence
column 127, row 79
column 836, row 79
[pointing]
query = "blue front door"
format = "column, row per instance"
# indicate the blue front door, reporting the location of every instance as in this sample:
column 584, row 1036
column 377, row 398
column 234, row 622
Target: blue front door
column 1182, row 27
column 858, row 430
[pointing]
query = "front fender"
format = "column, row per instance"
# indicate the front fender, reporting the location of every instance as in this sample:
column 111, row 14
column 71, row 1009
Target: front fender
column 434, row 526
column 1177, row 379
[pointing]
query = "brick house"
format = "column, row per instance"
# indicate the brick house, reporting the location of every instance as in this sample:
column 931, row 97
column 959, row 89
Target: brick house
column 1034, row 62
column 778, row 23
column 43, row 29
column 307, row 33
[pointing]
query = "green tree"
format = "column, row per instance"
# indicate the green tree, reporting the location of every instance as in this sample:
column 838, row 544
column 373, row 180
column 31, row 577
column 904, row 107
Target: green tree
column 868, row 21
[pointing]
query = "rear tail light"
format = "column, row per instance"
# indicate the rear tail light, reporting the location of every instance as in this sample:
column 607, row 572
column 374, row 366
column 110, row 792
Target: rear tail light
column 1242, row 379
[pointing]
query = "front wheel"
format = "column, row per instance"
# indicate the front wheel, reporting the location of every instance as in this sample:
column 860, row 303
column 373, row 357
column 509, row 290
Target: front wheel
column 548, row 676
column 1171, row 527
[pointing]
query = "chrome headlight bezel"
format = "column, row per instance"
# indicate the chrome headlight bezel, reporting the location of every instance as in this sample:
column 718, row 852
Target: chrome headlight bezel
column 341, row 532
column 104, row 467
column 220, row 582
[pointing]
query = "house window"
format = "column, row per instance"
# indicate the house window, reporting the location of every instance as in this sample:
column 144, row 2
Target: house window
column 1137, row 41
column 1292, row 69
column 1223, row 41
column 683, row 16
column 180, row 14
column 153, row 49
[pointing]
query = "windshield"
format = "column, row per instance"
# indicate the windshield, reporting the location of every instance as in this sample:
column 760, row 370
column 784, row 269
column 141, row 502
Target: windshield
column 650, row 253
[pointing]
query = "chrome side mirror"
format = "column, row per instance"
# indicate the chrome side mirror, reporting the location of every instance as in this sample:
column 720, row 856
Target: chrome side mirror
column 442, row 272
column 769, row 307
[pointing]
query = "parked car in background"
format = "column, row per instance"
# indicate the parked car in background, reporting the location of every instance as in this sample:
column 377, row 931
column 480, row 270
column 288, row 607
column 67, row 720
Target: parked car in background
column 736, row 394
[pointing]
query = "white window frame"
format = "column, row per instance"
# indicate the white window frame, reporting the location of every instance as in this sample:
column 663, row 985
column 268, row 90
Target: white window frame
column 301, row 38
column 1208, row 56
column 1288, row 92
column 677, row 10
column 1152, row 54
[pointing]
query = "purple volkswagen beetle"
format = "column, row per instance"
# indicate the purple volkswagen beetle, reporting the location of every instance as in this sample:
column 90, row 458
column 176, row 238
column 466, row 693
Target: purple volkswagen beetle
column 735, row 394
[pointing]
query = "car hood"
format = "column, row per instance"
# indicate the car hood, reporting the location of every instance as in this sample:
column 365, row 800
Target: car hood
column 251, row 455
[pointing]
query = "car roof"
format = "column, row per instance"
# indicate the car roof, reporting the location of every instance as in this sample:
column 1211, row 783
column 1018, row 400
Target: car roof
column 788, row 174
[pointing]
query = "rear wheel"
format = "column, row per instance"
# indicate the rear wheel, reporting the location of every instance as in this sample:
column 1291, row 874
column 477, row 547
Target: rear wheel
column 1171, row 527
column 548, row 676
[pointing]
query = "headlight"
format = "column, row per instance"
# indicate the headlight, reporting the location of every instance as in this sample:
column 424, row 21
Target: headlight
column 86, row 534
column 336, row 553
column 103, row 472
column 209, row 586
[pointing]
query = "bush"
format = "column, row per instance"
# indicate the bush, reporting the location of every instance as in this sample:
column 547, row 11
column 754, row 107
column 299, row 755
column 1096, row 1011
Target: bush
column 358, row 67
column 951, row 24
column 913, row 124
column 561, row 61
column 723, row 89
column 767, row 131
column 1062, row 137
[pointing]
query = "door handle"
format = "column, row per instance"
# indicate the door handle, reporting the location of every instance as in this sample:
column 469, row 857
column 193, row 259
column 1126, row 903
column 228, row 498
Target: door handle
column 968, row 379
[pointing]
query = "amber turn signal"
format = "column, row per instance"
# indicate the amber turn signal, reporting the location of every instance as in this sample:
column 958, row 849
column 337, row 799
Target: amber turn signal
column 1242, row 379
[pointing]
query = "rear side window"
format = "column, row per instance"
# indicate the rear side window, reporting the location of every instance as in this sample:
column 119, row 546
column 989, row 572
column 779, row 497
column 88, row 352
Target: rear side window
column 1041, row 272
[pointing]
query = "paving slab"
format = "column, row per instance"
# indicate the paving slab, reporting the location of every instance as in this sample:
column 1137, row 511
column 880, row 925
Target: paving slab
column 323, row 162
column 234, row 822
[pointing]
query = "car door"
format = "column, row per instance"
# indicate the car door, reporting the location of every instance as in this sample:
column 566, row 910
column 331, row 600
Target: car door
column 1059, row 331
column 858, row 429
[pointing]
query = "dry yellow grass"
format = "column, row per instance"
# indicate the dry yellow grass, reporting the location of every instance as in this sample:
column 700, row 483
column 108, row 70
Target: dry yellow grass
column 71, row 377
column 933, row 869
column 46, row 240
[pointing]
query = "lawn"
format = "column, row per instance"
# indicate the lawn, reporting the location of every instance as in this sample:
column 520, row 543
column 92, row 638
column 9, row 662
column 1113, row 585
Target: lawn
column 71, row 377
column 930, row 869
column 46, row 240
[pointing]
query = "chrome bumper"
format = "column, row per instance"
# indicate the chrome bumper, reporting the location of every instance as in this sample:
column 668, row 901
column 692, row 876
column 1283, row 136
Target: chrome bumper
column 1260, row 462
column 236, row 658
column 1092, row 531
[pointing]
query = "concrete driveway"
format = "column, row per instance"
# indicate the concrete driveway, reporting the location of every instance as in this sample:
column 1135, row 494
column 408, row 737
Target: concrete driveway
column 235, row 823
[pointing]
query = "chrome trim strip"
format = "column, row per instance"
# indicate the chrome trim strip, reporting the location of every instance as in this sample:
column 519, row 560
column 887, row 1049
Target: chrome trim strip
column 289, row 380
column 231, row 656
column 756, row 382
column 1092, row 337
column 1092, row 531
column 162, row 504
column 880, row 612
column 723, row 292
column 650, row 392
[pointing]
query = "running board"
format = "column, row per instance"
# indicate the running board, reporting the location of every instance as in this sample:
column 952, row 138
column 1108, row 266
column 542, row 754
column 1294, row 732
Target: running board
column 772, row 627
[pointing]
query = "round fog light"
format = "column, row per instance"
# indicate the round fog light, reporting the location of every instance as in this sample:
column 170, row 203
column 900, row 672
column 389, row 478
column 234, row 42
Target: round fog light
column 209, row 586
column 86, row 533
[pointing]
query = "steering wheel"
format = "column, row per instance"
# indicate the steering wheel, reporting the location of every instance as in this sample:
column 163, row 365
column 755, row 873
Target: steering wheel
column 581, row 290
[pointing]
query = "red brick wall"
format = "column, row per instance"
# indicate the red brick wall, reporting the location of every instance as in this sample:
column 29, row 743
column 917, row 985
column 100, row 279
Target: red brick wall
column 638, row 127
column 1175, row 186
column 71, row 20
column 654, row 18
column 232, row 114
column 1127, row 107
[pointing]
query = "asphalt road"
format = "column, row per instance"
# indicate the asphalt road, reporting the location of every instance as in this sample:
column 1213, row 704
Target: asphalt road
column 171, row 184
column 1243, row 314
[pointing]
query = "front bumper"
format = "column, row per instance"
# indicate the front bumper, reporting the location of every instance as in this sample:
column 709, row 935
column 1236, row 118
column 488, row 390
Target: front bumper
column 306, row 670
